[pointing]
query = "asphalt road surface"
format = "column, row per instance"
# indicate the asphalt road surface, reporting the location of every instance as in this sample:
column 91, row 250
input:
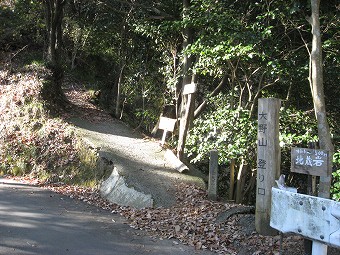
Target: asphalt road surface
column 37, row 221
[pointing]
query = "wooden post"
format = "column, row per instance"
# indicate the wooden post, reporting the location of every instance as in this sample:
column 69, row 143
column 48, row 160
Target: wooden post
column 232, row 179
column 164, row 136
column 268, row 161
column 187, row 113
column 213, row 175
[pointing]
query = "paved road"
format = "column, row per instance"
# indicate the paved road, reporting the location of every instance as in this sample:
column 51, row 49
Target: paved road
column 37, row 221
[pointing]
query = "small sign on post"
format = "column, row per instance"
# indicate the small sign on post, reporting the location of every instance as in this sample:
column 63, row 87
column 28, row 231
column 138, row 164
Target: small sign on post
column 309, row 161
column 166, row 124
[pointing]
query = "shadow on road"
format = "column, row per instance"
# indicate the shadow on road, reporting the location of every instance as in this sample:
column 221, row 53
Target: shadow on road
column 38, row 221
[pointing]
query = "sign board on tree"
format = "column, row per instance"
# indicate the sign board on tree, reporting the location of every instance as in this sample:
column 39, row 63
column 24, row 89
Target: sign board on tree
column 189, row 88
column 309, row 161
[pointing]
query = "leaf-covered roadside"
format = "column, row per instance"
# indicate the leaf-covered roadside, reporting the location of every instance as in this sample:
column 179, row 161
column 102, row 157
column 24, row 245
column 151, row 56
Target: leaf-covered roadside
column 32, row 142
column 192, row 221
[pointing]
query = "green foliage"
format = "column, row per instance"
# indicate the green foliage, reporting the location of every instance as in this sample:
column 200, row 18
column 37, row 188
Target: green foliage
column 259, row 46
column 297, row 129
column 335, row 191
column 21, row 23
column 231, row 132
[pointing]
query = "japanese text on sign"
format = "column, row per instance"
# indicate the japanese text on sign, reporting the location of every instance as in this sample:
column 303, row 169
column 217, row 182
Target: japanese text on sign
column 309, row 161
column 262, row 143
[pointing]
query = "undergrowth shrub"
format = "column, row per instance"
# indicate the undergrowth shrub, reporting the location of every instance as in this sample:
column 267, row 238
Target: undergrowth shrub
column 230, row 131
column 335, row 191
column 234, row 134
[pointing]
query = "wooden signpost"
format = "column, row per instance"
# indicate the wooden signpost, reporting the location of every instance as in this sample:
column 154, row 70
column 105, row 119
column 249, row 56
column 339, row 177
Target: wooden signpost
column 187, row 110
column 309, row 161
column 268, row 161
column 166, row 124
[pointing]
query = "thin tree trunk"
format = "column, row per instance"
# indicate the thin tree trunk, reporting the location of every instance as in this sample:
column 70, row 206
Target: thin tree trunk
column 232, row 179
column 52, row 91
column 318, row 96
column 240, row 182
column 187, row 111
column 123, row 60
column 48, row 21
column 119, row 88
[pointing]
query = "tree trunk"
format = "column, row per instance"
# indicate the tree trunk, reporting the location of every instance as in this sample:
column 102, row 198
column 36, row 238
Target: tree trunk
column 232, row 179
column 316, row 80
column 240, row 181
column 119, row 88
column 316, row 84
column 187, row 105
column 123, row 54
column 52, row 91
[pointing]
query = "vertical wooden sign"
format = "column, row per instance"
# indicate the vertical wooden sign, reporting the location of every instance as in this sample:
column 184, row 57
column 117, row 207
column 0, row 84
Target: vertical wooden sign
column 268, row 161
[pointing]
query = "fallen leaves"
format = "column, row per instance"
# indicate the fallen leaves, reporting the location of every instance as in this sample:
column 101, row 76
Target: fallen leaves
column 30, row 140
column 81, row 105
column 191, row 221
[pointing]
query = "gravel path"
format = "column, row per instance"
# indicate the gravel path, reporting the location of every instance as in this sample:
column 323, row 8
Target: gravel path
column 139, row 160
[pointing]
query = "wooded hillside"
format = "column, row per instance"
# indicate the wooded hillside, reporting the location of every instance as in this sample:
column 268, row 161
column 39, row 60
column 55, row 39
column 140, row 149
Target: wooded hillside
column 137, row 56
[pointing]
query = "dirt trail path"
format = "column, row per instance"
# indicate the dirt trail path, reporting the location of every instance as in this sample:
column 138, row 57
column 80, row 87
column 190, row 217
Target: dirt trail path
column 140, row 161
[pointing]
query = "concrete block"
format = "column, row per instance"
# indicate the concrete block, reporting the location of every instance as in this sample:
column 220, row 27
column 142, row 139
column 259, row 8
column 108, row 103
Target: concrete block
column 115, row 190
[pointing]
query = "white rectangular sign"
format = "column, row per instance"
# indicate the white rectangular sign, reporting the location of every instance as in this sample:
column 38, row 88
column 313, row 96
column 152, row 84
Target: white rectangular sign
column 167, row 124
column 189, row 88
